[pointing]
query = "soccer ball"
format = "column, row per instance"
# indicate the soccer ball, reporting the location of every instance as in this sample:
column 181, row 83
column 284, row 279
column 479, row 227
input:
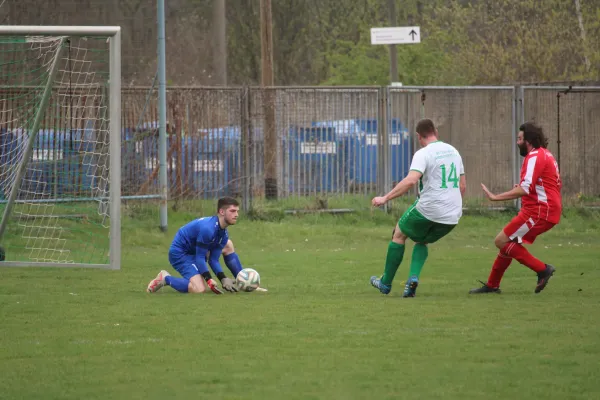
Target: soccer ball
column 247, row 280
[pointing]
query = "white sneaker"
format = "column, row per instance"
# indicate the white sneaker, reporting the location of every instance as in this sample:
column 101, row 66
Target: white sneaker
column 261, row 289
column 158, row 282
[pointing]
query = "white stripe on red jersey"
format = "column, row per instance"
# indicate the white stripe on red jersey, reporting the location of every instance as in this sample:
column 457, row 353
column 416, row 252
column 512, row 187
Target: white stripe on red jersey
column 540, row 178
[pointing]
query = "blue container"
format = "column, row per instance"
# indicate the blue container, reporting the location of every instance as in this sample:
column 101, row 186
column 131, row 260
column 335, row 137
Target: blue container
column 210, row 163
column 65, row 163
column 359, row 138
column 352, row 155
column 139, row 161
column 313, row 160
column 401, row 147
column 10, row 142
column 361, row 159
column 59, row 165
column 400, row 151
column 206, row 165
column 133, row 169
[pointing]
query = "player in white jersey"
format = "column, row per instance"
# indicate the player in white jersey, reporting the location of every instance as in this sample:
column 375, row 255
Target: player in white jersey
column 439, row 169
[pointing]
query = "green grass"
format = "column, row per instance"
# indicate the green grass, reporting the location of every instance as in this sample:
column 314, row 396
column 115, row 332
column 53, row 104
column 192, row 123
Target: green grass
column 321, row 332
column 79, row 234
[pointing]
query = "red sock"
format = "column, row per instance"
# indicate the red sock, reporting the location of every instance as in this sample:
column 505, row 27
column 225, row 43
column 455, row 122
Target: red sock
column 520, row 253
column 500, row 266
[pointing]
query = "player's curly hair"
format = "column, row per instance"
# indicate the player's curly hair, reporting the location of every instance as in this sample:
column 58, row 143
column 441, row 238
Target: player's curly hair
column 534, row 134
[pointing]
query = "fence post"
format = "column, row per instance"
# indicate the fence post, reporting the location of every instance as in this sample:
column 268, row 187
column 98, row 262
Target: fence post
column 383, row 147
column 415, row 141
column 518, row 119
column 246, row 149
column 163, row 177
column 515, row 129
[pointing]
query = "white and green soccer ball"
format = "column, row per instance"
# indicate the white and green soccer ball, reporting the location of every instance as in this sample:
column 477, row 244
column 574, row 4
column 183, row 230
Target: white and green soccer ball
column 247, row 280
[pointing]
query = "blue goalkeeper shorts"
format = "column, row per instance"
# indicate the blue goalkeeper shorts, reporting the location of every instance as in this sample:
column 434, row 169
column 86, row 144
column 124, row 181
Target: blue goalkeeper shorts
column 183, row 263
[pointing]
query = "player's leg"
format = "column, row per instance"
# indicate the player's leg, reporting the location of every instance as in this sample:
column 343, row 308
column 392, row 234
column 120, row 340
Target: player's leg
column 433, row 232
column 509, row 242
column 520, row 229
column 394, row 256
column 197, row 284
column 419, row 256
column 502, row 261
column 407, row 227
column 191, row 281
column 395, row 253
column 416, row 226
column 193, row 284
column 232, row 261
column 499, row 267
column 157, row 283
column 527, row 233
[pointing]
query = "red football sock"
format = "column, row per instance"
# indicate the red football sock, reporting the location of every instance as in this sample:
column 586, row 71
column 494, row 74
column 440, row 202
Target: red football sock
column 500, row 266
column 520, row 253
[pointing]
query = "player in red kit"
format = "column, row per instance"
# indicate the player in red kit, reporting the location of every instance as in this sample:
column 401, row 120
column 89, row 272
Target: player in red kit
column 541, row 209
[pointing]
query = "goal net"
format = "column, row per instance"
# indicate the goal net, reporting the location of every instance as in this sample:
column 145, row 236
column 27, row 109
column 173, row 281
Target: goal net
column 60, row 146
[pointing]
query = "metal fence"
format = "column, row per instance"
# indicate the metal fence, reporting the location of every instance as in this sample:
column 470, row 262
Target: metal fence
column 360, row 140
column 478, row 121
column 570, row 117
column 337, row 141
column 321, row 136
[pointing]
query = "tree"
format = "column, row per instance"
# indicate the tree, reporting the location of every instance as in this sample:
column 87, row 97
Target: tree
column 510, row 41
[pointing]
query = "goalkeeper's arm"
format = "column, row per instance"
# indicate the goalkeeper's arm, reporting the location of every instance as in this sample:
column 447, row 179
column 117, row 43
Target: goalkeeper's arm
column 202, row 268
column 215, row 265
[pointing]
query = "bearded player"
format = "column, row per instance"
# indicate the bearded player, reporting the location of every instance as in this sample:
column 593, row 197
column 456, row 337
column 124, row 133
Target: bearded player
column 541, row 208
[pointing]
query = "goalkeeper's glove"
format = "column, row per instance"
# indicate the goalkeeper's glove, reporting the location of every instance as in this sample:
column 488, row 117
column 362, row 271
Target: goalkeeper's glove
column 213, row 286
column 228, row 285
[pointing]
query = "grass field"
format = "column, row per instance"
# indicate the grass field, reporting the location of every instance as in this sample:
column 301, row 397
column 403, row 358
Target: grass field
column 321, row 332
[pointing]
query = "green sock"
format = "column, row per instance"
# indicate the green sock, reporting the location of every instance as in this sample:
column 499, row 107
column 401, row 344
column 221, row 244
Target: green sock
column 419, row 256
column 392, row 262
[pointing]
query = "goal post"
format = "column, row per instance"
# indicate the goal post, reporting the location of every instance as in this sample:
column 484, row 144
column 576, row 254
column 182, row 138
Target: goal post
column 60, row 146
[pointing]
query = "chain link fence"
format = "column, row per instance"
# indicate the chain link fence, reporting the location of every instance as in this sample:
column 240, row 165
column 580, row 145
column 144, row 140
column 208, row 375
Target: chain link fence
column 203, row 143
column 321, row 140
column 335, row 142
column 479, row 122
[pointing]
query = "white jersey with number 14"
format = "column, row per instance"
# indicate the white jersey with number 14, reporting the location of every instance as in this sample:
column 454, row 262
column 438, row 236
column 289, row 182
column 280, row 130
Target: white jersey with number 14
column 440, row 199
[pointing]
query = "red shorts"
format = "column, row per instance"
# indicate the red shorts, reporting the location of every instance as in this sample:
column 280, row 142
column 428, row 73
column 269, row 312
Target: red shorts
column 526, row 229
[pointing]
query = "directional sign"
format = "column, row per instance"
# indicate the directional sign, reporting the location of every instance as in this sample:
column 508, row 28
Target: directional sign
column 397, row 35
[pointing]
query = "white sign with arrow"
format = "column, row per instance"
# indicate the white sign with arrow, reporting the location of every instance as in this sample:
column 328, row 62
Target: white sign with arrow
column 397, row 35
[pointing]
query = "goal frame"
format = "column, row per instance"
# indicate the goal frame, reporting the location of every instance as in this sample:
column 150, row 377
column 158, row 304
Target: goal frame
column 113, row 33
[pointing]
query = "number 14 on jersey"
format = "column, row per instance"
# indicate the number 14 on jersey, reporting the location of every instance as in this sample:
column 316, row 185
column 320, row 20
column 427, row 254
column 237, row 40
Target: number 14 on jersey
column 452, row 176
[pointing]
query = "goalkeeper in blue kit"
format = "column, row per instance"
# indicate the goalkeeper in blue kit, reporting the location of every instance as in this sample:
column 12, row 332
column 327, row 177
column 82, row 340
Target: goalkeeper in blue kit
column 198, row 242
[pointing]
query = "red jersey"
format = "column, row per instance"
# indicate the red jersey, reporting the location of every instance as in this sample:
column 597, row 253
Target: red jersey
column 540, row 179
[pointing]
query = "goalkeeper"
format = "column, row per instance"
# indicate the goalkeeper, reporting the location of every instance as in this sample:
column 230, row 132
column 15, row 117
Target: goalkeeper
column 196, row 242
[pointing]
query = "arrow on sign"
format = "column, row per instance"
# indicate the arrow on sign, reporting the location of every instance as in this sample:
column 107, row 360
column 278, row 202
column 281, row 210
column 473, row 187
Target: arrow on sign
column 395, row 35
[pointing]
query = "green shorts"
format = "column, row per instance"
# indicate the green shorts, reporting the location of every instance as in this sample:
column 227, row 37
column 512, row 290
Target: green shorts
column 421, row 230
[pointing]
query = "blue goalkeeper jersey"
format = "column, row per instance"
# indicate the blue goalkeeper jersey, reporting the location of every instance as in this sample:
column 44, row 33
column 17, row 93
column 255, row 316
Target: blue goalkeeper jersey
column 200, row 237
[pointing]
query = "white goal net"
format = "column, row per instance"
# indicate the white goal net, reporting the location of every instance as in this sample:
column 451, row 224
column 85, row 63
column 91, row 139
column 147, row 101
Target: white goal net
column 60, row 146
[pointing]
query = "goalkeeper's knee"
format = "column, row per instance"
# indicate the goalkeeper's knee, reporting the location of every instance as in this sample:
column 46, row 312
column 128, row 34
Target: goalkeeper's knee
column 196, row 285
